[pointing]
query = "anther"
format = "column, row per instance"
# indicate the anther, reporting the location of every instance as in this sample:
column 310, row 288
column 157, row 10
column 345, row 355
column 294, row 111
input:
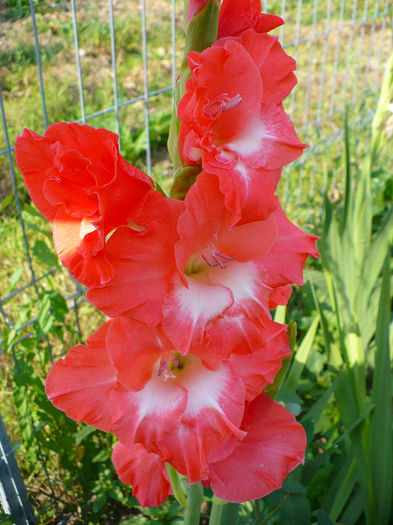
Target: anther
column 222, row 103
column 165, row 370
column 208, row 262
column 218, row 259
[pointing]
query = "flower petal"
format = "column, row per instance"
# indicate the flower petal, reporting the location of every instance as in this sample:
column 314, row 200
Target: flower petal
column 150, row 415
column 143, row 262
column 236, row 17
column 218, row 99
column 213, row 413
column 284, row 264
column 82, row 382
column 144, row 471
column 274, row 446
column 191, row 308
column 134, row 348
column 275, row 66
column 269, row 141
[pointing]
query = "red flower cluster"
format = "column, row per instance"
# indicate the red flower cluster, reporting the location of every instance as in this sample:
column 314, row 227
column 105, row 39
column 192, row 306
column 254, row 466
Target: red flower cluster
column 178, row 372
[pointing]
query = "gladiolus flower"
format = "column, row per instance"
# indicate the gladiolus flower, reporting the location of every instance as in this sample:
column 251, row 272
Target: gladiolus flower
column 78, row 180
column 273, row 446
column 129, row 379
column 233, row 121
column 201, row 265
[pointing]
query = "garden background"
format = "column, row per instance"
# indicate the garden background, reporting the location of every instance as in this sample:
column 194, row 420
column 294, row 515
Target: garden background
column 112, row 64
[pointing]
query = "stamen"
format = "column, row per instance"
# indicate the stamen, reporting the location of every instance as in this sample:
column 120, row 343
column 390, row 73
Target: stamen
column 225, row 256
column 218, row 259
column 219, row 263
column 232, row 103
column 165, row 368
column 222, row 103
column 208, row 262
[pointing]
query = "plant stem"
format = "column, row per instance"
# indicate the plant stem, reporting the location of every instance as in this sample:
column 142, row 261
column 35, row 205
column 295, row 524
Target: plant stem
column 192, row 513
column 217, row 511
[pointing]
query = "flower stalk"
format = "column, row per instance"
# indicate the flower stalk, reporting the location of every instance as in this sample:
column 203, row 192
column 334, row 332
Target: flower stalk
column 217, row 511
column 194, row 502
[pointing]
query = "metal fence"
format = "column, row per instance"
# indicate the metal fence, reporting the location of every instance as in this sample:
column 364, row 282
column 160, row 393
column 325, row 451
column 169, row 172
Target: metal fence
column 112, row 63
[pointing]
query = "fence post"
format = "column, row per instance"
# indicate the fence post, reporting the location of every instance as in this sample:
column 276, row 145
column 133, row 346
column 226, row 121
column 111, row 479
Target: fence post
column 13, row 495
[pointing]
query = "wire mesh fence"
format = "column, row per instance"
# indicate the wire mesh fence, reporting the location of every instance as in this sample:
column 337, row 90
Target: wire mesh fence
column 111, row 63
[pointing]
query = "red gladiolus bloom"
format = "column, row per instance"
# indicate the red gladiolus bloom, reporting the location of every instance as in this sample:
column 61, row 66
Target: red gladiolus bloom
column 78, row 180
column 201, row 266
column 129, row 379
column 273, row 446
column 233, row 122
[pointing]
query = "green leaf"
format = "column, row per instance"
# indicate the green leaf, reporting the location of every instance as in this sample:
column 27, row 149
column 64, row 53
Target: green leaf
column 45, row 319
column 137, row 520
column 290, row 399
column 347, row 191
column 381, row 449
column 7, row 519
column 3, row 205
column 184, row 179
column 354, row 509
column 295, row 510
column 273, row 389
column 301, row 356
column 341, row 489
column 99, row 502
column 14, row 279
column 280, row 313
column 316, row 410
column 323, row 518
column 83, row 433
column 43, row 253
column 373, row 265
column 334, row 357
column 103, row 455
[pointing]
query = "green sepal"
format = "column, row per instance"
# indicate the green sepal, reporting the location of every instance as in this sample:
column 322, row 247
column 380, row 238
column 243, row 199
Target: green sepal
column 177, row 486
column 184, row 179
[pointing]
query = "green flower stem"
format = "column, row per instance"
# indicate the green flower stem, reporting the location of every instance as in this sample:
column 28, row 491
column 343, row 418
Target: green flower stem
column 230, row 514
column 223, row 513
column 217, row 511
column 192, row 513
